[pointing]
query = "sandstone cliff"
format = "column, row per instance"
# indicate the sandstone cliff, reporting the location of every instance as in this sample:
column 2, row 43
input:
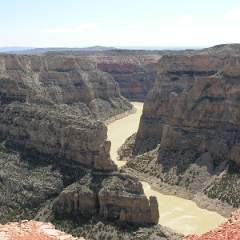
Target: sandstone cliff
column 193, row 113
column 60, row 80
column 115, row 197
column 52, row 139
column 134, row 71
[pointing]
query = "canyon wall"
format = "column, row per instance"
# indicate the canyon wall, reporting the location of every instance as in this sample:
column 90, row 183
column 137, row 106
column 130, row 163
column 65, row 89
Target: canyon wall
column 134, row 71
column 191, row 119
column 52, row 138
column 60, row 80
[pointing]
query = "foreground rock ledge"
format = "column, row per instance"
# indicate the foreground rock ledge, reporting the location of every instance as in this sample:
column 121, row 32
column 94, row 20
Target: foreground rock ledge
column 32, row 230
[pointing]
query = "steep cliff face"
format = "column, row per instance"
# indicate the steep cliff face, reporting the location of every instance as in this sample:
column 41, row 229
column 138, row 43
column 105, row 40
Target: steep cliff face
column 134, row 71
column 193, row 113
column 116, row 197
column 50, row 107
column 60, row 80
column 56, row 132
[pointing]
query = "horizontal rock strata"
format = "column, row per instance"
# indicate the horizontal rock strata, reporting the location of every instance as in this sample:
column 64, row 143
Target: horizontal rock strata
column 193, row 113
column 60, row 80
column 51, row 109
column 117, row 197
column 134, row 71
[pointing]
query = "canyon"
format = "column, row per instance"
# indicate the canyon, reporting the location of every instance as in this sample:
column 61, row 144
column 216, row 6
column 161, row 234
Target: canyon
column 182, row 215
column 55, row 156
column 187, row 141
column 64, row 115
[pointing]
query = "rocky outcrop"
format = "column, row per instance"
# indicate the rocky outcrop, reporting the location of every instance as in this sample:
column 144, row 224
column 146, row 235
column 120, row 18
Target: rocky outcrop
column 57, row 133
column 116, row 197
column 50, row 112
column 193, row 113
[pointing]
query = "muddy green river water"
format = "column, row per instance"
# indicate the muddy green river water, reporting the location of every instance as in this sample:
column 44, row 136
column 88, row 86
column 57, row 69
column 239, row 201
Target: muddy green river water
column 179, row 214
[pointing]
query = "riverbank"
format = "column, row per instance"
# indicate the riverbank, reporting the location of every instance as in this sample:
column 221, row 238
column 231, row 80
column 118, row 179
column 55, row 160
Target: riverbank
column 137, row 166
column 201, row 200
column 178, row 213
column 120, row 116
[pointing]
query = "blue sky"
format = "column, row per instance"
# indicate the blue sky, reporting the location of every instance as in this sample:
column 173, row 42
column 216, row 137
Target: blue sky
column 149, row 23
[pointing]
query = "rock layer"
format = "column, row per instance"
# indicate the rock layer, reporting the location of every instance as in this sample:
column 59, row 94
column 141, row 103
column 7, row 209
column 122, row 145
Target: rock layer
column 50, row 107
column 134, row 71
column 117, row 197
column 193, row 113
column 60, row 80
column 57, row 133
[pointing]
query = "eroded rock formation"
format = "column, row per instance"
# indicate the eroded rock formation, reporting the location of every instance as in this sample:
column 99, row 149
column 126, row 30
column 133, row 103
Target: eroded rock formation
column 60, row 80
column 193, row 113
column 50, row 112
column 134, row 71
column 117, row 197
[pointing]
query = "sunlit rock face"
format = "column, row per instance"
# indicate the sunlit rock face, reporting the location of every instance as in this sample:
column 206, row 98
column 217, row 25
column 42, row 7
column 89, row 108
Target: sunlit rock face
column 117, row 198
column 60, row 80
column 51, row 129
column 197, row 96
column 49, row 106
column 134, row 71
column 28, row 230
column 193, row 113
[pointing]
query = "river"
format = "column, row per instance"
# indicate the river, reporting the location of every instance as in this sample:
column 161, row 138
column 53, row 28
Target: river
column 179, row 214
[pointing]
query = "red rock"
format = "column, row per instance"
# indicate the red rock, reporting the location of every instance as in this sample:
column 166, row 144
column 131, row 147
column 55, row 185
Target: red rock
column 29, row 230
column 230, row 230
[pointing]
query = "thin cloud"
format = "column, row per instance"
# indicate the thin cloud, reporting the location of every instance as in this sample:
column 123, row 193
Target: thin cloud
column 74, row 29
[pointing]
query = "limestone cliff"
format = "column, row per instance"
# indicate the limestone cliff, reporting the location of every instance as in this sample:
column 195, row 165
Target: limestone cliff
column 134, row 71
column 50, row 131
column 115, row 197
column 193, row 113
column 60, row 80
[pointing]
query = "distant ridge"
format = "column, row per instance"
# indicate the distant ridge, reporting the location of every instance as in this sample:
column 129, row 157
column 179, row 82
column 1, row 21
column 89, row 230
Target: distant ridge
column 14, row 49
column 30, row 50
column 232, row 49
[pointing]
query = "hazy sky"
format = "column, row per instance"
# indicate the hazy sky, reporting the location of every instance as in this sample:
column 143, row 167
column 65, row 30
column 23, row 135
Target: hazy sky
column 77, row 23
